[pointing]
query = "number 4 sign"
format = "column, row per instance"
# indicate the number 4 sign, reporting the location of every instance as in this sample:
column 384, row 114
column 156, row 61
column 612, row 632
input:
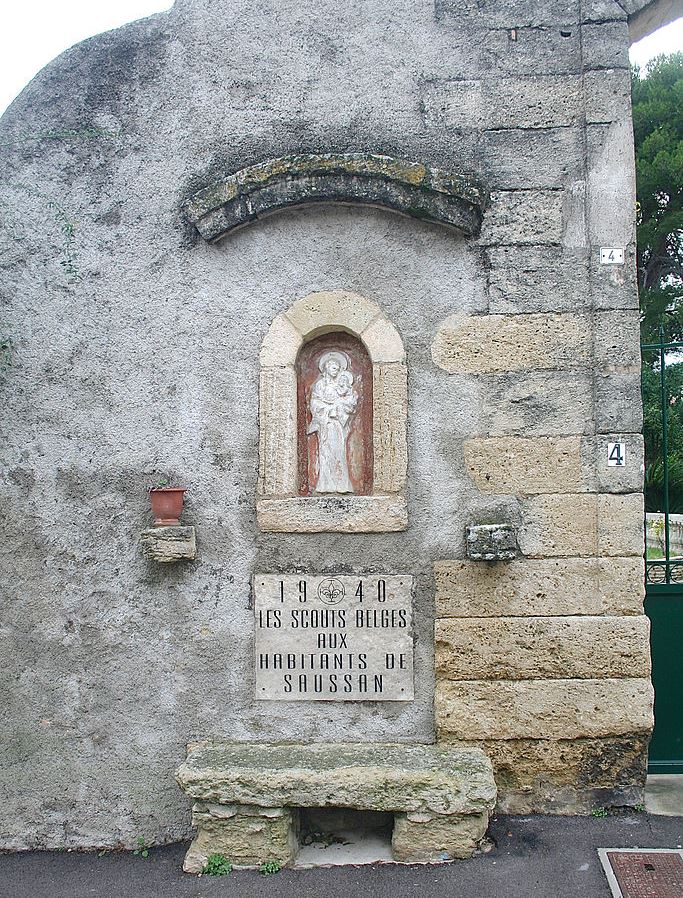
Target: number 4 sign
column 616, row 455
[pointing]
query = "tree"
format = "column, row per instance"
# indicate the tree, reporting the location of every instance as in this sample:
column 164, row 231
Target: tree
column 658, row 133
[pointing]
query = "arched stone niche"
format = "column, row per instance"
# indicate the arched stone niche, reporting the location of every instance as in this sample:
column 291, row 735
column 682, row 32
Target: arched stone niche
column 337, row 318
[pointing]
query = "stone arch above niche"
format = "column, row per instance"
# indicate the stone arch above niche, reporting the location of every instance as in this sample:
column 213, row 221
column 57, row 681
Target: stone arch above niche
column 411, row 188
column 280, row 507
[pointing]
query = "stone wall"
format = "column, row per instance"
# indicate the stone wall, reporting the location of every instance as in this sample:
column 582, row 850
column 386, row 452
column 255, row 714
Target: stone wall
column 136, row 352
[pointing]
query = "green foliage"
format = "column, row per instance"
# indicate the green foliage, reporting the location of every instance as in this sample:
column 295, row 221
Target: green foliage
column 658, row 132
column 599, row 812
column 269, row 867
column 653, row 434
column 142, row 850
column 217, row 865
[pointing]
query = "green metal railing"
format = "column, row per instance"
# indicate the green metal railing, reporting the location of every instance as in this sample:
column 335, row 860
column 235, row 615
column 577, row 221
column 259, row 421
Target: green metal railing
column 665, row 570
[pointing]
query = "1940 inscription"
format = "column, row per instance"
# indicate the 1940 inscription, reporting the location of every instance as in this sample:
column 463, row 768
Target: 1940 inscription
column 333, row 637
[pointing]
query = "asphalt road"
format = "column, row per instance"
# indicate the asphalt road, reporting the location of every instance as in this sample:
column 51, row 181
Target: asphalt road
column 533, row 857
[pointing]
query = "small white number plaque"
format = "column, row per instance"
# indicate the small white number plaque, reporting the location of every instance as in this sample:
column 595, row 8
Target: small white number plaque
column 616, row 455
column 611, row 255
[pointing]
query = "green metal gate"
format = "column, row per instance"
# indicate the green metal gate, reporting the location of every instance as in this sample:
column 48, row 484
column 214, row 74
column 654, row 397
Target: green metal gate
column 664, row 563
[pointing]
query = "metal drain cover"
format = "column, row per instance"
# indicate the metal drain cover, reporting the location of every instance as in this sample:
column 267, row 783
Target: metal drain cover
column 643, row 873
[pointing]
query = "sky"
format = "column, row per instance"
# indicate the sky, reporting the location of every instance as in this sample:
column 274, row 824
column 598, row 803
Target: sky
column 35, row 31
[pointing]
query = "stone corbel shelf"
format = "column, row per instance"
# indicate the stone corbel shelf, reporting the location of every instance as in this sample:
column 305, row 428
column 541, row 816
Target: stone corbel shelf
column 410, row 188
column 167, row 544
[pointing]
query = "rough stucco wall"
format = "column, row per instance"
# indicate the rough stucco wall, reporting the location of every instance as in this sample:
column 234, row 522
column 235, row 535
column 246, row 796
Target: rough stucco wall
column 137, row 351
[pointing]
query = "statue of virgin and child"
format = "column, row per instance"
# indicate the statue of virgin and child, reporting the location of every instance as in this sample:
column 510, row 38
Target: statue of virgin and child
column 332, row 405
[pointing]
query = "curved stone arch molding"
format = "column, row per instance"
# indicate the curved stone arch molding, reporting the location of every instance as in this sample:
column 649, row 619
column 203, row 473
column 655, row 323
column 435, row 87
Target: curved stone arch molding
column 410, row 188
column 279, row 507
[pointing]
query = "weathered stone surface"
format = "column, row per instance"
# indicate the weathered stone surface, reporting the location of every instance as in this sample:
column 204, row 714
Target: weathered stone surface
column 568, row 524
column 523, row 216
column 539, row 648
column 381, row 777
column 383, row 341
column 277, row 432
column 617, row 342
column 437, row 839
column 537, row 279
column 618, row 403
column 540, row 587
column 246, row 836
column 567, row 776
column 608, row 95
column 408, row 187
column 355, row 514
column 611, row 183
column 167, row 544
column 536, row 403
column 542, row 709
column 281, row 344
column 501, row 343
column 614, row 479
column 514, row 13
column 524, row 466
column 532, row 158
column 605, row 45
column 490, row 542
column 330, row 309
column 532, row 102
column 390, row 410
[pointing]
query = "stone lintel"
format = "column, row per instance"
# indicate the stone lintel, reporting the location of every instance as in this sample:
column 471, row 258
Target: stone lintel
column 410, row 188
column 333, row 514
column 166, row 544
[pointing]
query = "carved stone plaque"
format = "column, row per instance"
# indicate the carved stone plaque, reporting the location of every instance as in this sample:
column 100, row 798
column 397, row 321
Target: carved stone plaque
column 334, row 638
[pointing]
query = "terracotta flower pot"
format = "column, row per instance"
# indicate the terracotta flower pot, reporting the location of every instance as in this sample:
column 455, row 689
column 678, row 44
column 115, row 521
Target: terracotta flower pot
column 167, row 505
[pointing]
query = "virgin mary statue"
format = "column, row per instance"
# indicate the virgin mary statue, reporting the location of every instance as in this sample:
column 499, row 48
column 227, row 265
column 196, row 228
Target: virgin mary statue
column 332, row 406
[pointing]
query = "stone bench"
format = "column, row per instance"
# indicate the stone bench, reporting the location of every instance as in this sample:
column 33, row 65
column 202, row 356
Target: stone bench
column 247, row 796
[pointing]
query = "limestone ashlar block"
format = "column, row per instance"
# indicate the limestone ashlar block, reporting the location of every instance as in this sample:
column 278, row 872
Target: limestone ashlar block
column 491, row 344
column 582, row 525
column 527, row 279
column 567, row 776
column 427, row 779
column 613, row 479
column 247, row 836
column 524, row 216
column 536, row 403
column 526, row 158
column 540, row 587
column 383, row 341
column 168, row 544
column 549, row 101
column 333, row 514
column 608, row 96
column 524, row 466
column 390, row 406
column 332, row 309
column 542, row 709
column 281, row 344
column 277, row 431
column 533, row 648
column 421, row 838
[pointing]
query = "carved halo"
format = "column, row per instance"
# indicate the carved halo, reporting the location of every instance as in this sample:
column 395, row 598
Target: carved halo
column 334, row 355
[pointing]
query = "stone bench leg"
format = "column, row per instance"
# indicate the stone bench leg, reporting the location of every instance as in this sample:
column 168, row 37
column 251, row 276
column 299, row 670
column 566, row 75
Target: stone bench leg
column 246, row 835
column 420, row 838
